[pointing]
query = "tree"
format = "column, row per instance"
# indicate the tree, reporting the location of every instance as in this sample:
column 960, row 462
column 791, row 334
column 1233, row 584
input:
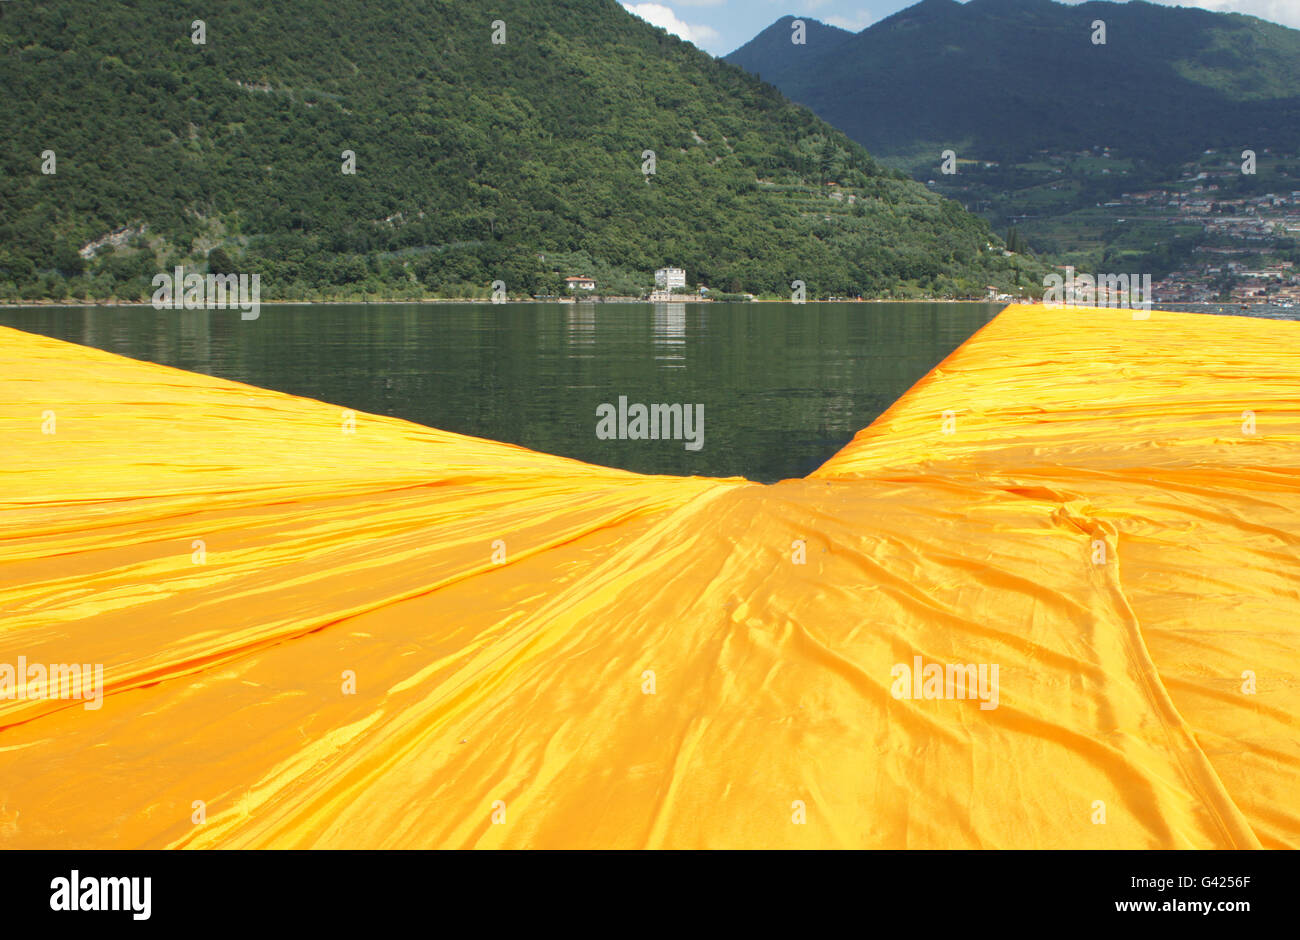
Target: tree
column 219, row 262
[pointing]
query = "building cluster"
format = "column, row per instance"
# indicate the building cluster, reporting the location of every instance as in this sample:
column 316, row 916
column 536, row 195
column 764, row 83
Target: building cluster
column 670, row 283
column 1259, row 218
column 1219, row 278
column 1241, row 264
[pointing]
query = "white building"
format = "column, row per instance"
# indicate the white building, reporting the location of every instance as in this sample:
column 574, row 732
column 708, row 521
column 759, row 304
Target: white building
column 668, row 278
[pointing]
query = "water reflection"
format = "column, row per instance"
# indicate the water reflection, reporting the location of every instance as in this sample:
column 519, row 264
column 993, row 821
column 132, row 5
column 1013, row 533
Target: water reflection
column 783, row 387
column 580, row 325
column 194, row 327
column 669, row 333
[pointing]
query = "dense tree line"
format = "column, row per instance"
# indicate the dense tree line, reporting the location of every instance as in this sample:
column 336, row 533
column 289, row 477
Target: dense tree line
column 475, row 162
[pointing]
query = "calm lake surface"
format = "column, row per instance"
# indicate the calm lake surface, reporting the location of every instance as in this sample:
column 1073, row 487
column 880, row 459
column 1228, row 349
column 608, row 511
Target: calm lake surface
column 783, row 386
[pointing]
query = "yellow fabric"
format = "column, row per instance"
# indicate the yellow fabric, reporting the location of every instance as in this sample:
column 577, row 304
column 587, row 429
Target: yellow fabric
column 961, row 527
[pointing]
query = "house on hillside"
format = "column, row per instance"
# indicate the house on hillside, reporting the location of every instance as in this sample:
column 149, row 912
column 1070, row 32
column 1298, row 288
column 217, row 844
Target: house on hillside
column 669, row 278
column 575, row 284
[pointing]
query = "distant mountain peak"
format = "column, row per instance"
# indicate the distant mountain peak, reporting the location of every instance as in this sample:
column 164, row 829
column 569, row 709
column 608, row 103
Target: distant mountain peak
column 764, row 52
column 933, row 6
column 1014, row 5
column 785, row 22
column 923, row 11
column 994, row 75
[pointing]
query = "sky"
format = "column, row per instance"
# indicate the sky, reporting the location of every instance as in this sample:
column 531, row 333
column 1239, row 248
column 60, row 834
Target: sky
column 721, row 26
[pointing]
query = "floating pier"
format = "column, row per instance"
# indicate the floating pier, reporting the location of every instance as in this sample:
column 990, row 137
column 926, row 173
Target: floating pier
column 326, row 629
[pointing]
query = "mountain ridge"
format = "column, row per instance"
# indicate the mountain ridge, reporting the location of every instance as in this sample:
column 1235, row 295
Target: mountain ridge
column 948, row 74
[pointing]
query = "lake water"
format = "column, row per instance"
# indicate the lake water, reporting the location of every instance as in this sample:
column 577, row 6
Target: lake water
column 783, row 386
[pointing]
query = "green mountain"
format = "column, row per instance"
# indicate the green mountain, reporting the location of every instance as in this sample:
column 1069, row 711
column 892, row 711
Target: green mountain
column 1000, row 78
column 475, row 161
column 1055, row 134
column 772, row 52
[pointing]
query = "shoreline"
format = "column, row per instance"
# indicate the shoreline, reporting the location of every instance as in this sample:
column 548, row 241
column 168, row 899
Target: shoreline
column 478, row 300
column 1195, row 307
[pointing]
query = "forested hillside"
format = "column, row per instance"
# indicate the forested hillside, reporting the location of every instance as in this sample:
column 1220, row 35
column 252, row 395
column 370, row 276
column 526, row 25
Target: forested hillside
column 475, row 161
column 1001, row 78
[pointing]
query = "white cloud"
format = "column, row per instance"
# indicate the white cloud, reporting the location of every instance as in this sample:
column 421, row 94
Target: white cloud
column 854, row 22
column 656, row 14
column 1286, row 12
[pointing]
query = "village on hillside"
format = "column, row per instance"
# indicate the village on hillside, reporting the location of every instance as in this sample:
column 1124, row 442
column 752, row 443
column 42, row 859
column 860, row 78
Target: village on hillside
column 1212, row 234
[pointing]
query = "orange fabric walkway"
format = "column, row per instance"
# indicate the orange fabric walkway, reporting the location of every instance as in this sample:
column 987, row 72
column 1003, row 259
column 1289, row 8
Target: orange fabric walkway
column 1104, row 508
